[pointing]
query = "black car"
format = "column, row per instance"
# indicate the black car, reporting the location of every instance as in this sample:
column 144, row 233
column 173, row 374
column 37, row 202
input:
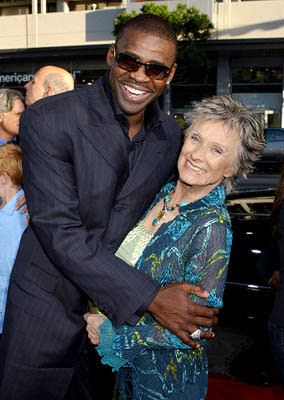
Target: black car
column 247, row 297
column 247, row 293
column 273, row 154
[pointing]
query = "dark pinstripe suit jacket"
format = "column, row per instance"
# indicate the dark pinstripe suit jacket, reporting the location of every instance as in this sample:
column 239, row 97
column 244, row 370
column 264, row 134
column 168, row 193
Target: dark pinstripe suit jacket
column 81, row 207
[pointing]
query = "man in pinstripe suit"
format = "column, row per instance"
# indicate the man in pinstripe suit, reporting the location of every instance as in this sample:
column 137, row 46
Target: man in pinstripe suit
column 93, row 160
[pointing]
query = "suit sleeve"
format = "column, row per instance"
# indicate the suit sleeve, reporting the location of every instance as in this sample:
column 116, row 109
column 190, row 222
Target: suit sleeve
column 56, row 179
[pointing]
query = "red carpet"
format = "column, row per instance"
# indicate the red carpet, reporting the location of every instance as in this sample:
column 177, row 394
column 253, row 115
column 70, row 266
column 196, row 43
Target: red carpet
column 224, row 389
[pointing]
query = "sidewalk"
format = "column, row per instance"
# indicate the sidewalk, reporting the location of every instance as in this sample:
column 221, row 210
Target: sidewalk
column 235, row 366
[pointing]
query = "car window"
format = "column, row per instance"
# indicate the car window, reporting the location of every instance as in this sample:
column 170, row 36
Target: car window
column 250, row 208
column 274, row 135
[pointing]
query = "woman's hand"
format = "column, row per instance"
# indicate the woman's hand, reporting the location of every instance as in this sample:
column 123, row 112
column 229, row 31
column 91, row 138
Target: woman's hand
column 93, row 323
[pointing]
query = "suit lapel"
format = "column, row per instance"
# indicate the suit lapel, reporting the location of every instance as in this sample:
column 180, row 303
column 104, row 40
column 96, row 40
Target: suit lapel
column 104, row 132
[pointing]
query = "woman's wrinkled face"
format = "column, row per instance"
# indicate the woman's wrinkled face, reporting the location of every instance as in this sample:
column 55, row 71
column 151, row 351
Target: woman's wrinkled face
column 10, row 120
column 208, row 155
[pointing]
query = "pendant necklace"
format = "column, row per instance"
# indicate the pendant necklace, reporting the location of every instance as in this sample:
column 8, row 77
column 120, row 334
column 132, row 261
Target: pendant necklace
column 166, row 209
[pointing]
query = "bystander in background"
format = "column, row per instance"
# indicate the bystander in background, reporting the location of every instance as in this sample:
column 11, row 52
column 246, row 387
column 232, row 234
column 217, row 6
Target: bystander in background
column 12, row 222
column 47, row 81
column 11, row 108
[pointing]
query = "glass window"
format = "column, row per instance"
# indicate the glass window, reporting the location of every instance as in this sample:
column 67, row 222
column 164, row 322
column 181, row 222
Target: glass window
column 250, row 208
column 87, row 77
column 274, row 135
column 257, row 75
column 184, row 95
column 257, row 79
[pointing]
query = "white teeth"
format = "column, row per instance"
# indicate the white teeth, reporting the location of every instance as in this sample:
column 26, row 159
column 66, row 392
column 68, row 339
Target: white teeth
column 200, row 171
column 134, row 91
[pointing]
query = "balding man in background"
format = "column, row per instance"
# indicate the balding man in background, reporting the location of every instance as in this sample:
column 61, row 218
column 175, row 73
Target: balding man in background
column 11, row 108
column 47, row 81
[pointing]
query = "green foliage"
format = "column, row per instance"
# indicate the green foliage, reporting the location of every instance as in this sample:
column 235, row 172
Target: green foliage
column 191, row 27
column 160, row 10
column 121, row 19
column 188, row 23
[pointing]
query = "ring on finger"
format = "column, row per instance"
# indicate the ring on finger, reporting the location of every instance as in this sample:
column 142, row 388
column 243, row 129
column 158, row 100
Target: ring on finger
column 196, row 335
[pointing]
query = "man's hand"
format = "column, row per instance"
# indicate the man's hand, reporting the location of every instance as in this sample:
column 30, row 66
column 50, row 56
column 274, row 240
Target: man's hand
column 21, row 202
column 173, row 309
column 274, row 281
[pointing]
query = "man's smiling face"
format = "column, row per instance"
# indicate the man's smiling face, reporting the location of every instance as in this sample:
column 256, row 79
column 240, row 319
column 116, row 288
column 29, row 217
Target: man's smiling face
column 135, row 90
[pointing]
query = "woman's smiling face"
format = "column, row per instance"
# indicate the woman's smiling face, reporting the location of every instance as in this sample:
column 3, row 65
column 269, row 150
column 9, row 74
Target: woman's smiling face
column 208, row 154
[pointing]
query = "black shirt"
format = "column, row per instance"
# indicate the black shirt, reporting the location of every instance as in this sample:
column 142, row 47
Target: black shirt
column 151, row 121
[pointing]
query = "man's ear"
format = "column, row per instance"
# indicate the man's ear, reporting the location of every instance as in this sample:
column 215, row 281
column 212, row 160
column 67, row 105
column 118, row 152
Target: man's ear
column 1, row 117
column 173, row 70
column 110, row 55
column 48, row 91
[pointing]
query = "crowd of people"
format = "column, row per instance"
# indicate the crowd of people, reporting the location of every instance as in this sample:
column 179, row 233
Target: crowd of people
column 126, row 216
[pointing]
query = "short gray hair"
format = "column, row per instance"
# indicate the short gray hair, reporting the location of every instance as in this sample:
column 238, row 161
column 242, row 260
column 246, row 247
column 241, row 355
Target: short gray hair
column 8, row 98
column 236, row 117
column 58, row 83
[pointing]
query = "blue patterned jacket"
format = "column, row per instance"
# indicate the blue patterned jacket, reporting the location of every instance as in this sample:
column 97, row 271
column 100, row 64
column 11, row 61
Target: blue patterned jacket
column 195, row 247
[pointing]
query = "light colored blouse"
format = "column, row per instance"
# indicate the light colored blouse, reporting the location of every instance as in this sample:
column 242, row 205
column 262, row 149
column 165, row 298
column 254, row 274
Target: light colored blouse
column 133, row 245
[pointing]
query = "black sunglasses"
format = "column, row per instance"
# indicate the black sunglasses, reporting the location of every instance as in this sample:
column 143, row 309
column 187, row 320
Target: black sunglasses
column 131, row 64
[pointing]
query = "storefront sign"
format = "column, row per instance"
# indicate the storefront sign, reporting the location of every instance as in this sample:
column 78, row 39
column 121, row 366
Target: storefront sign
column 16, row 77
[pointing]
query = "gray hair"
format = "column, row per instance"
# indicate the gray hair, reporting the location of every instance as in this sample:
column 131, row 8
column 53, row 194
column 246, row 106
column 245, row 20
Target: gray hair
column 8, row 98
column 58, row 83
column 237, row 118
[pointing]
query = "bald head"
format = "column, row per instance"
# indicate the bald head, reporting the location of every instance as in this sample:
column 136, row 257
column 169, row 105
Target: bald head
column 47, row 81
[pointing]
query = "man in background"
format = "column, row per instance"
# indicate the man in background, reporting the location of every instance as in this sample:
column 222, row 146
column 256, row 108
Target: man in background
column 11, row 108
column 47, row 81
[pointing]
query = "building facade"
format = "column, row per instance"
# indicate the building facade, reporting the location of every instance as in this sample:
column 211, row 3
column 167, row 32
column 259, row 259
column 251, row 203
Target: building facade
column 246, row 49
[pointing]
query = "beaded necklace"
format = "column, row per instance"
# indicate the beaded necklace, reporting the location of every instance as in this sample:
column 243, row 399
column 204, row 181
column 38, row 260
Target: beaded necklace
column 166, row 208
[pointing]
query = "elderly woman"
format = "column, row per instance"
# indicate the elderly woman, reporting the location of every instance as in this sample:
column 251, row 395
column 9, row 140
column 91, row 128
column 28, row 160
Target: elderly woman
column 185, row 235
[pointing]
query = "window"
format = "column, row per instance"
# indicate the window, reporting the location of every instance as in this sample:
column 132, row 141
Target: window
column 250, row 208
column 257, row 79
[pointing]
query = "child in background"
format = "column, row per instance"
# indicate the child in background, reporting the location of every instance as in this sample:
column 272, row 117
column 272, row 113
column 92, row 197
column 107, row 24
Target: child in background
column 12, row 222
